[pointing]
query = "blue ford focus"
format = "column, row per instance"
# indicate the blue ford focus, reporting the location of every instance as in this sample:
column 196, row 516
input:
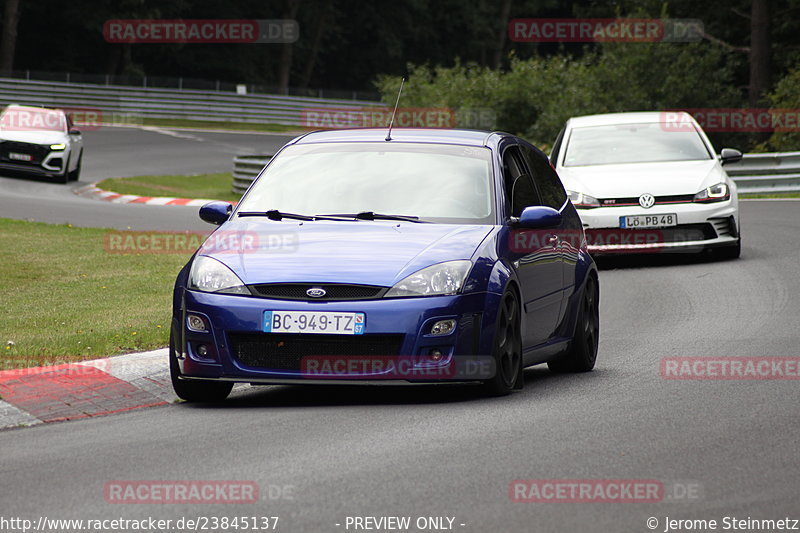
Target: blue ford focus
column 427, row 256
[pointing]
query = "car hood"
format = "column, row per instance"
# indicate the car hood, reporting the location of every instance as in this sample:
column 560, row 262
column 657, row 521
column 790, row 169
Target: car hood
column 363, row 252
column 35, row 136
column 634, row 179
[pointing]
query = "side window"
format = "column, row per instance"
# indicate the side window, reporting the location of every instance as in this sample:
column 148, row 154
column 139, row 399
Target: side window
column 546, row 180
column 519, row 189
column 557, row 147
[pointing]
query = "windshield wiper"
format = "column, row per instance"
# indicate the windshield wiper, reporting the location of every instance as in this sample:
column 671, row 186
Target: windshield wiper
column 370, row 215
column 274, row 214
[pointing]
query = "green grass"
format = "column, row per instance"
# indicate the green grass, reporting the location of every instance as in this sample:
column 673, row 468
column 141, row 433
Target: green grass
column 211, row 186
column 65, row 298
column 781, row 195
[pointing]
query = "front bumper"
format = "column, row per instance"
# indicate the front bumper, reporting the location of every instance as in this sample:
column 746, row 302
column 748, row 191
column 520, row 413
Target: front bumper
column 396, row 346
column 700, row 226
column 53, row 163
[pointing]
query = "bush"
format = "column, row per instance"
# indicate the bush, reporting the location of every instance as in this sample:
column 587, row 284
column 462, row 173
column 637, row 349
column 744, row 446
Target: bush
column 534, row 97
column 786, row 97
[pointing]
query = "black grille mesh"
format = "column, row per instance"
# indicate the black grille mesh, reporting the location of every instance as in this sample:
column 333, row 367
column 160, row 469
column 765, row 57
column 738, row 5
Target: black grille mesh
column 333, row 291
column 679, row 233
column 277, row 351
column 38, row 152
column 634, row 200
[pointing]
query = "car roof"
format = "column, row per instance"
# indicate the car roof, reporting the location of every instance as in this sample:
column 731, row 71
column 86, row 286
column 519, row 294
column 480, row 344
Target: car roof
column 420, row 135
column 33, row 108
column 644, row 117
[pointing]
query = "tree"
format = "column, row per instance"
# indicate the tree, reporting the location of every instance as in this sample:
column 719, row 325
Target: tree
column 9, row 40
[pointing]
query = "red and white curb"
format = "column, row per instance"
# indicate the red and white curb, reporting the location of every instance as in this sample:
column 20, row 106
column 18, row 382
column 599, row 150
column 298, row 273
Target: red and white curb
column 31, row 396
column 95, row 192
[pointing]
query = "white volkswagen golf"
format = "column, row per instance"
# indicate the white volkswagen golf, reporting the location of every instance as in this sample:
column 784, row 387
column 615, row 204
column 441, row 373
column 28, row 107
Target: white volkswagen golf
column 649, row 182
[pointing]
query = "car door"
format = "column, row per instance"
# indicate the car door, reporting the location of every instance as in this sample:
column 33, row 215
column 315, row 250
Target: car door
column 537, row 261
column 76, row 144
column 552, row 194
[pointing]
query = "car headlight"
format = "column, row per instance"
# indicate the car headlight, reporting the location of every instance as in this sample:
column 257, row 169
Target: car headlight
column 210, row 275
column 436, row 280
column 59, row 146
column 583, row 201
column 715, row 193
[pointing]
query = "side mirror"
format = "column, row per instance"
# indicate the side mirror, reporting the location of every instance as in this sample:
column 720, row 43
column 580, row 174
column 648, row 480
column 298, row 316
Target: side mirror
column 730, row 155
column 74, row 131
column 539, row 217
column 216, row 212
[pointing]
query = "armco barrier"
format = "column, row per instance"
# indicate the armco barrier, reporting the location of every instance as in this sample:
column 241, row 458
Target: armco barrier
column 777, row 172
column 245, row 169
column 139, row 103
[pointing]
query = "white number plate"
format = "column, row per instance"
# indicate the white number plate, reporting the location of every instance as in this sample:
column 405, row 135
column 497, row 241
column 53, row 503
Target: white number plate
column 314, row 322
column 648, row 221
column 20, row 157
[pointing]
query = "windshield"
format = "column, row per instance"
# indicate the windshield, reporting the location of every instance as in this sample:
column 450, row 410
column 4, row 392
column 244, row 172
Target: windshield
column 632, row 143
column 25, row 119
column 435, row 182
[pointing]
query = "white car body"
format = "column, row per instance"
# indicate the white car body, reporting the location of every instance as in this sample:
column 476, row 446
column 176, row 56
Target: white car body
column 40, row 141
column 621, row 190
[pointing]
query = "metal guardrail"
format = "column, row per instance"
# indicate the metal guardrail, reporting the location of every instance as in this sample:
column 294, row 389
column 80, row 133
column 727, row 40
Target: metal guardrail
column 120, row 104
column 245, row 170
column 183, row 83
column 777, row 172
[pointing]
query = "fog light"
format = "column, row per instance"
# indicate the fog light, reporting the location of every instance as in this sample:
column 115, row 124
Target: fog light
column 202, row 350
column 196, row 323
column 443, row 327
column 435, row 355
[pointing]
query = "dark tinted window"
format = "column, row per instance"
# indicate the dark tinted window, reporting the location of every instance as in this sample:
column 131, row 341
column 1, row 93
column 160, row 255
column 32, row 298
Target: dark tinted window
column 520, row 191
column 557, row 147
column 546, row 180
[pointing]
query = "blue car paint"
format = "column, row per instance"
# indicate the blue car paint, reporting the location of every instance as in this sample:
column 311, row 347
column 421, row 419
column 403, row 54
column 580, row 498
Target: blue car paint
column 382, row 253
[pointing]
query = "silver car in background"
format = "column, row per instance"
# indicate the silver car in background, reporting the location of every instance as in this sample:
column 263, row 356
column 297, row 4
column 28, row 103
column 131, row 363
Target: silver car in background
column 40, row 141
column 649, row 182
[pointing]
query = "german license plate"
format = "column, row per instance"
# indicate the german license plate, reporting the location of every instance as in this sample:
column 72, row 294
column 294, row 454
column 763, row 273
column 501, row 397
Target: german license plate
column 648, row 221
column 20, row 157
column 314, row 322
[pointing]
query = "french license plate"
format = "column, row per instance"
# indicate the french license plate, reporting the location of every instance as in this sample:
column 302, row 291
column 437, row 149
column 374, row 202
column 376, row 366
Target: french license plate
column 314, row 322
column 20, row 157
column 648, row 221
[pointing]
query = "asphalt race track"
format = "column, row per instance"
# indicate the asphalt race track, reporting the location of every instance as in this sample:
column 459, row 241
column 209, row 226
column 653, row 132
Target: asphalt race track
column 125, row 152
column 442, row 452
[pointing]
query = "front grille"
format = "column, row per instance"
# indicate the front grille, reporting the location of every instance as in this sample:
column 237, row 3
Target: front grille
column 333, row 291
column 679, row 233
column 37, row 151
column 634, row 200
column 277, row 351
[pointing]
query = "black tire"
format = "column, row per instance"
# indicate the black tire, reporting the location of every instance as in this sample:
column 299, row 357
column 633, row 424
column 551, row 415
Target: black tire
column 728, row 252
column 581, row 354
column 76, row 174
column 506, row 349
column 195, row 390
